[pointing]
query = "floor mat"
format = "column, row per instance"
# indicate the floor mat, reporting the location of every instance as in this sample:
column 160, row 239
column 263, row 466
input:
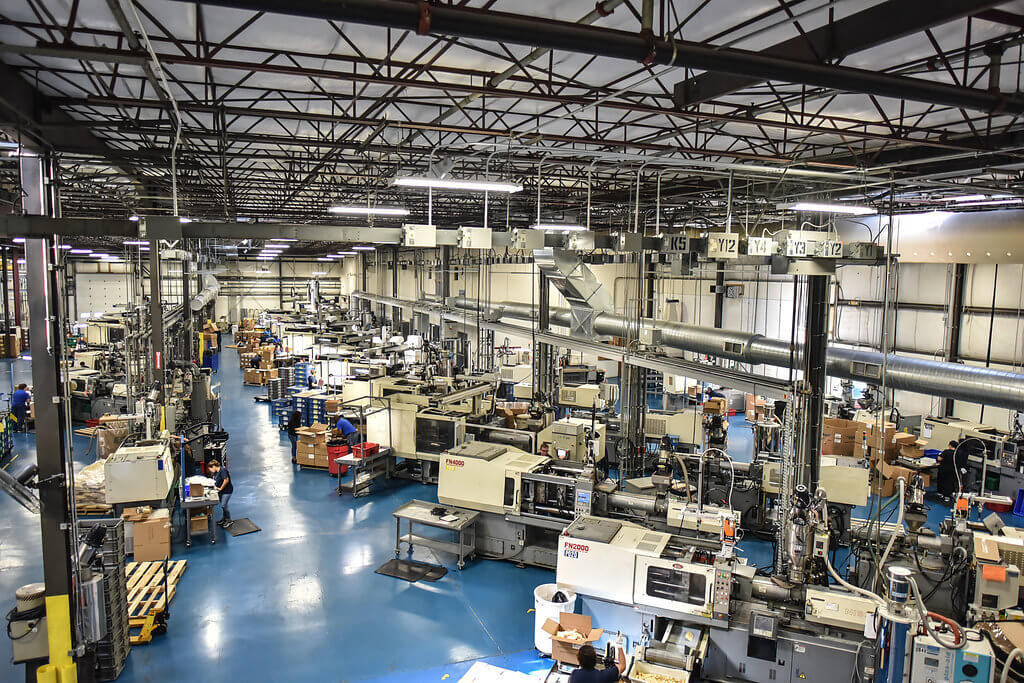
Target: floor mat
column 241, row 527
column 409, row 570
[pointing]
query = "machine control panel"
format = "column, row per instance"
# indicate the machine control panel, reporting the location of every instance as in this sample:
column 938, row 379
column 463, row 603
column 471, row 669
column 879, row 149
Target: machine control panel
column 722, row 590
column 932, row 663
column 584, row 497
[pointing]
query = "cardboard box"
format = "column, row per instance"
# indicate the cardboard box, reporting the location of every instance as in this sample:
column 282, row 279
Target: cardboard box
column 316, row 433
column 252, row 376
column 199, row 524
column 153, row 537
column 564, row 649
column 885, row 488
column 266, row 364
column 332, row 405
column 838, row 437
column 196, row 490
column 267, row 375
column 716, row 406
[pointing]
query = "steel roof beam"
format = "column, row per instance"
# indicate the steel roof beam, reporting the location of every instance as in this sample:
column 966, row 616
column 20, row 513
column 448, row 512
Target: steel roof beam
column 445, row 20
column 871, row 27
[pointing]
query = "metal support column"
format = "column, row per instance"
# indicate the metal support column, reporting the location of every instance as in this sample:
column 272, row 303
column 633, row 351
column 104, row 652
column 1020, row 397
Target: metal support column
column 956, row 310
column 56, row 516
column 815, row 348
column 16, row 281
column 186, row 300
column 4, row 254
column 156, row 319
column 396, row 311
column 544, row 354
column 719, row 294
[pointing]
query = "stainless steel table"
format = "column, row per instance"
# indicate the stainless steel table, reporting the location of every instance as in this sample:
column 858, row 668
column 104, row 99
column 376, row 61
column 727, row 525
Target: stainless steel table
column 192, row 505
column 420, row 512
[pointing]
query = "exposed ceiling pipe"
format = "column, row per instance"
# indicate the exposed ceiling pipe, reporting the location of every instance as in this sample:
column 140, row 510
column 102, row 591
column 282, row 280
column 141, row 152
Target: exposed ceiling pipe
column 986, row 386
column 449, row 20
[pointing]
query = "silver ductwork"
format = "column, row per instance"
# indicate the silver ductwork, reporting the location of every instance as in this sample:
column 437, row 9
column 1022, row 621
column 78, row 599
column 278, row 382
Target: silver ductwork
column 207, row 294
column 935, row 378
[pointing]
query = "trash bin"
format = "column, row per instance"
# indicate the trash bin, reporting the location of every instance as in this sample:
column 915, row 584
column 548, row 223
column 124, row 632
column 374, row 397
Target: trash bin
column 545, row 608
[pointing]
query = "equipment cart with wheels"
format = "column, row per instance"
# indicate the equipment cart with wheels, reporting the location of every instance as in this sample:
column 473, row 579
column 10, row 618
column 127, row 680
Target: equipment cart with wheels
column 196, row 506
column 461, row 522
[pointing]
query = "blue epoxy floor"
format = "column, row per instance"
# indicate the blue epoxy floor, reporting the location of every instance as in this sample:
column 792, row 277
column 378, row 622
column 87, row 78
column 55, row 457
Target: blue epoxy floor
column 301, row 598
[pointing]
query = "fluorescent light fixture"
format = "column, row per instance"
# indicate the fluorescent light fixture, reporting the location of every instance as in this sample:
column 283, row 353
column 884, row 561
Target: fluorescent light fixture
column 346, row 253
column 81, row 251
column 830, row 208
column 19, row 240
column 136, row 243
column 558, row 227
column 969, row 198
column 322, row 258
column 319, row 272
column 265, row 258
column 184, row 219
column 992, row 202
column 133, row 218
column 365, row 248
column 21, row 260
column 468, row 185
column 282, row 239
column 371, row 210
column 64, row 246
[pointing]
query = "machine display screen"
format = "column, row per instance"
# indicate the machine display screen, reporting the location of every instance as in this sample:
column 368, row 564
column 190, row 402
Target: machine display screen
column 931, row 661
column 668, row 583
column 434, row 436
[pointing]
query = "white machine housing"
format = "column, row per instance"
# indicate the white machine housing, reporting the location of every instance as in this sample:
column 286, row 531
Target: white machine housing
column 483, row 476
column 139, row 473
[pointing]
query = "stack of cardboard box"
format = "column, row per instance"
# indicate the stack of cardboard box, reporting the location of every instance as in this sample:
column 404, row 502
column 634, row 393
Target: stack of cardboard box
column 312, row 447
column 756, row 408
column 716, row 406
column 879, row 444
column 152, row 536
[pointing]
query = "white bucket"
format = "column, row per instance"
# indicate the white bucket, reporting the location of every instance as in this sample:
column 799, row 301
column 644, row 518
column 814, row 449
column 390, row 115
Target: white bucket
column 545, row 609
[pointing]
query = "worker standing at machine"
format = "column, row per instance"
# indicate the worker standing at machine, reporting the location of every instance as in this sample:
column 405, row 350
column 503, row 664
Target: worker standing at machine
column 294, row 422
column 21, row 402
column 949, row 461
column 347, row 431
column 222, row 481
column 588, row 673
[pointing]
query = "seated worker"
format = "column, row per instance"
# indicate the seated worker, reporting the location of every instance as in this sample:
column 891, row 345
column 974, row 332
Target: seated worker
column 947, row 482
column 588, row 673
column 21, row 401
column 347, row 430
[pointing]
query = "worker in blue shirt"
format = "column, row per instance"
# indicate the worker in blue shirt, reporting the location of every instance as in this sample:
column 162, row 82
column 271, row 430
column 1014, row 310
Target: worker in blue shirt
column 349, row 432
column 588, row 671
column 21, row 401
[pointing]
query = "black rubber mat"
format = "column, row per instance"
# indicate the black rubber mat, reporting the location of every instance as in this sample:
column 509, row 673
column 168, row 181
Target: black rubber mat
column 241, row 527
column 403, row 569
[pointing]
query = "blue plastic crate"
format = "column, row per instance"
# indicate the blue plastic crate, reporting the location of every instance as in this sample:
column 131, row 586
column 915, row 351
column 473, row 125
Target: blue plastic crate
column 1018, row 506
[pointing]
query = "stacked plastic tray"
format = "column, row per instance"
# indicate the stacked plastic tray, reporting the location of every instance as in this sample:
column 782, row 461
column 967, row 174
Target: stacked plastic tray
column 317, row 409
column 112, row 650
column 280, row 411
column 287, row 375
column 302, row 405
column 302, row 371
column 276, row 388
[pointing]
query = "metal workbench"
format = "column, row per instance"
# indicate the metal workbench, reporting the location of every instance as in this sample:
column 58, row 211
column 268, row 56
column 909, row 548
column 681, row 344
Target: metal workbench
column 364, row 471
column 420, row 512
column 192, row 505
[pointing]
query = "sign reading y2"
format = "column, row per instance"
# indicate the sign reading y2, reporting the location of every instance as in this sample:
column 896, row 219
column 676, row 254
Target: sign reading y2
column 723, row 245
column 831, row 249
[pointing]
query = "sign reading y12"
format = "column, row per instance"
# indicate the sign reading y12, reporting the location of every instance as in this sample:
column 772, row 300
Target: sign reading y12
column 723, row 245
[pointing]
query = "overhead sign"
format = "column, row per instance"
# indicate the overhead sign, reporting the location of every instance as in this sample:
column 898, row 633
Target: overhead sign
column 723, row 245
column 760, row 246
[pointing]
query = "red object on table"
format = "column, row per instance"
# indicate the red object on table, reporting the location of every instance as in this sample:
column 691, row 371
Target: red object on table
column 361, row 450
column 336, row 452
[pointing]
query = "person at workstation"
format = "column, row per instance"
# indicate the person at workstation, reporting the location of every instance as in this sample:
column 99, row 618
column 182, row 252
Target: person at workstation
column 715, row 393
column 588, row 673
column 222, row 482
column 950, row 460
column 347, row 431
column 294, row 422
column 21, row 402
column 312, row 382
column 254, row 362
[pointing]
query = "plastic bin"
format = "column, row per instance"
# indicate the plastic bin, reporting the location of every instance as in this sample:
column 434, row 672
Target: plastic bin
column 336, row 451
column 545, row 608
column 1018, row 507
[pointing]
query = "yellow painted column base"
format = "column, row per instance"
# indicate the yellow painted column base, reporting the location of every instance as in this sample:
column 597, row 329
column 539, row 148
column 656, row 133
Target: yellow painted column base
column 62, row 668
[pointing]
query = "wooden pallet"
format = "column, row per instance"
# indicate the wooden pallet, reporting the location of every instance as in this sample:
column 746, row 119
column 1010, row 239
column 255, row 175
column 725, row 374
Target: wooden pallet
column 303, row 466
column 97, row 509
column 146, row 588
column 86, row 431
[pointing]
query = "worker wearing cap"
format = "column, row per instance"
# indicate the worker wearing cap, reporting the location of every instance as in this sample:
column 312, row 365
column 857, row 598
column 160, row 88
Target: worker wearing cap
column 347, row 431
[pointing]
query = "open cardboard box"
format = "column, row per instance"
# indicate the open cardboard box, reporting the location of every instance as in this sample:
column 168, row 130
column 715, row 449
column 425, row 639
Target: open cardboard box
column 565, row 650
